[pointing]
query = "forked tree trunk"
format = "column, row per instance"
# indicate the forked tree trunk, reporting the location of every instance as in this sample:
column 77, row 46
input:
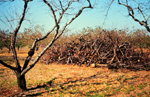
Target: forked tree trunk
column 21, row 82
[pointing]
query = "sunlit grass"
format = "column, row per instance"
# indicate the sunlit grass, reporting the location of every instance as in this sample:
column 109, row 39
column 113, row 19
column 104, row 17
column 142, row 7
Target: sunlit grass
column 141, row 86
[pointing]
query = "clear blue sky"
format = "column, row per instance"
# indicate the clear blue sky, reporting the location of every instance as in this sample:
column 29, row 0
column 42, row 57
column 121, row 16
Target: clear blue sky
column 38, row 14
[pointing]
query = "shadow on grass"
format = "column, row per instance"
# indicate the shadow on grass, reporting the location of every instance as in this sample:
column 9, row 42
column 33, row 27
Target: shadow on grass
column 38, row 90
column 72, row 86
column 49, row 86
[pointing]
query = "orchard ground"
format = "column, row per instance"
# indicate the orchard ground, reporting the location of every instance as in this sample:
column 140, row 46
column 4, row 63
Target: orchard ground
column 57, row 80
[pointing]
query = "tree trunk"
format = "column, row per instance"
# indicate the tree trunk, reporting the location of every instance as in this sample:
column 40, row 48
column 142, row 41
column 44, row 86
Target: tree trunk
column 21, row 82
column 9, row 48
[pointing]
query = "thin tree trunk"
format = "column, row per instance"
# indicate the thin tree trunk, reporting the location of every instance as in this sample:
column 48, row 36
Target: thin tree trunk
column 9, row 48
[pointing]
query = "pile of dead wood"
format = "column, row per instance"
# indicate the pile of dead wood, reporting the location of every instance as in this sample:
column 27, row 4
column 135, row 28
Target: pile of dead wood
column 103, row 50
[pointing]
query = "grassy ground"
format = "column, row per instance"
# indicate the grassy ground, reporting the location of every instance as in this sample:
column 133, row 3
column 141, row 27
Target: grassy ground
column 72, row 81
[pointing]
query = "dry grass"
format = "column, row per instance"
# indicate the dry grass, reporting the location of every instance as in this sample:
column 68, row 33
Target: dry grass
column 23, row 52
column 73, row 81
column 68, row 80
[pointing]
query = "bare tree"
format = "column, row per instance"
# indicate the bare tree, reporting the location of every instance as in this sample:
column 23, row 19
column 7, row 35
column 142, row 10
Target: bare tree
column 139, row 8
column 55, row 7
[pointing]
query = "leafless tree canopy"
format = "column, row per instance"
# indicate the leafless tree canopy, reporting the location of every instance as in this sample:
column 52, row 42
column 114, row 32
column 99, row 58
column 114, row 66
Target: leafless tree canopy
column 139, row 8
column 55, row 6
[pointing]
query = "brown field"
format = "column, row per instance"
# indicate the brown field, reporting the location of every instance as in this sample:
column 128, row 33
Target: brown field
column 57, row 80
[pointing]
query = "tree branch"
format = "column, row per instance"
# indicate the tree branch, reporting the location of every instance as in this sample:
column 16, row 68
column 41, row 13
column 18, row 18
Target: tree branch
column 28, row 58
column 107, row 12
column 80, row 11
column 52, row 10
column 26, row 69
column 8, row 66
column 131, row 13
column 14, row 35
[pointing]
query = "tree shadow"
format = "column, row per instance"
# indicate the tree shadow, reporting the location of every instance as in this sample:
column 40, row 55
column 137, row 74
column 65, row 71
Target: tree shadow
column 38, row 90
column 49, row 83
column 68, row 83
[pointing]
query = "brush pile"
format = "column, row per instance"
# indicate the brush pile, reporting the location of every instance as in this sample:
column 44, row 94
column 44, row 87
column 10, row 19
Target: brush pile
column 106, row 48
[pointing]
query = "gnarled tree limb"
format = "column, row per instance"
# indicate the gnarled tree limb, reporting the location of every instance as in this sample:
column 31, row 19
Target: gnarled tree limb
column 131, row 13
